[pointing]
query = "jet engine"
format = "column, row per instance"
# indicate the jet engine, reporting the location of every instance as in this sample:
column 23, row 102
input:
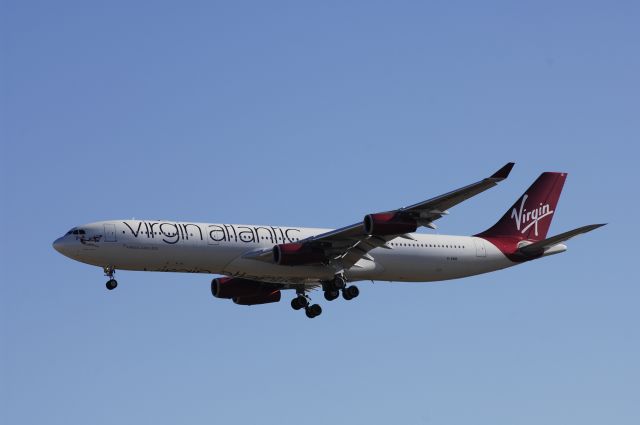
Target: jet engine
column 272, row 297
column 238, row 288
column 382, row 224
column 295, row 254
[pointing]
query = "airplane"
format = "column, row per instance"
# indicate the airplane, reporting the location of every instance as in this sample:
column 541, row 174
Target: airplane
column 258, row 262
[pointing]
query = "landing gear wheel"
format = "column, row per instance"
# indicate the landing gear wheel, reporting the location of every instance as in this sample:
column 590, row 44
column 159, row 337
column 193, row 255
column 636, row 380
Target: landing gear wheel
column 313, row 311
column 295, row 304
column 350, row 293
column 353, row 291
column 331, row 295
column 339, row 282
column 302, row 300
column 110, row 271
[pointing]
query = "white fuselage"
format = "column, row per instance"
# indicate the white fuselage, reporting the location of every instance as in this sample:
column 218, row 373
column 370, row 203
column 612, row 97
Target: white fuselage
column 219, row 249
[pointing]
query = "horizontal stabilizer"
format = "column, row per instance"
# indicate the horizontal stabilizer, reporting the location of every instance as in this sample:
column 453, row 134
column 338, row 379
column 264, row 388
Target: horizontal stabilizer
column 539, row 247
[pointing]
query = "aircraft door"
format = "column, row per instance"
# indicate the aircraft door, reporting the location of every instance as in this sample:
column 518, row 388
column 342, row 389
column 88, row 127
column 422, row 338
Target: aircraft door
column 481, row 251
column 109, row 232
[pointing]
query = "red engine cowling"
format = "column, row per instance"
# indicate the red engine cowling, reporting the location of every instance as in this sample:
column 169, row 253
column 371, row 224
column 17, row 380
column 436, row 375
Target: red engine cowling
column 233, row 287
column 272, row 297
column 389, row 224
column 295, row 254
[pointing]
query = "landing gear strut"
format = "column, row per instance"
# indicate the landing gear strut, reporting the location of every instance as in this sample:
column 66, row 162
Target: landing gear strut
column 302, row 301
column 111, row 283
column 332, row 288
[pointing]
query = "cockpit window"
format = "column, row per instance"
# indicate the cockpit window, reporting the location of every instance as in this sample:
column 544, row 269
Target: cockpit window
column 81, row 231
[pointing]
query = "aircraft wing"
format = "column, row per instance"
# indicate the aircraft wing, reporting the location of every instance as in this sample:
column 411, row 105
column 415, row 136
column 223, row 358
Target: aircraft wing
column 344, row 247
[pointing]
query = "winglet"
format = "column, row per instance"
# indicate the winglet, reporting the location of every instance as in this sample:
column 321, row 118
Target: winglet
column 503, row 173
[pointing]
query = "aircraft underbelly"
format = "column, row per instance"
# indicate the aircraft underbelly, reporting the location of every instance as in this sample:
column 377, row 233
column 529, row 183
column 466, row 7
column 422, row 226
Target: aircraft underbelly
column 420, row 266
column 248, row 268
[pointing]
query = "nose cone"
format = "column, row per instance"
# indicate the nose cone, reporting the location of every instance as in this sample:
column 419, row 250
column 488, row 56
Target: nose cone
column 63, row 246
column 57, row 245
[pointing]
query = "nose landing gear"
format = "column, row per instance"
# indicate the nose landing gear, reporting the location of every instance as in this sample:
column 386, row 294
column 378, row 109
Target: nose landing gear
column 111, row 283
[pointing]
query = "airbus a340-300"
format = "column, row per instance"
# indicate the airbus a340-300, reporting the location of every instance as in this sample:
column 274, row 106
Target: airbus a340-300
column 258, row 262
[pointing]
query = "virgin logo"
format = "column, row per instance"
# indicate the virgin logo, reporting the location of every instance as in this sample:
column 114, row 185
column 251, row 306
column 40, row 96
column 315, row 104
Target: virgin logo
column 525, row 219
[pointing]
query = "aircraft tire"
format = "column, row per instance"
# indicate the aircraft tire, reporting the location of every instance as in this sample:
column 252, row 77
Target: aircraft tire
column 316, row 310
column 295, row 304
column 346, row 295
column 313, row 311
column 353, row 291
column 331, row 295
column 339, row 282
column 302, row 301
column 112, row 284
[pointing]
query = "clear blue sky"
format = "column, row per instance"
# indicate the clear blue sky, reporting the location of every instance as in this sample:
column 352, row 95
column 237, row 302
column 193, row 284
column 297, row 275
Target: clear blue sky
column 313, row 114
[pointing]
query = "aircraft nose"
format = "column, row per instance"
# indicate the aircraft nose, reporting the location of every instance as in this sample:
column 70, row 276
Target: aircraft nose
column 59, row 245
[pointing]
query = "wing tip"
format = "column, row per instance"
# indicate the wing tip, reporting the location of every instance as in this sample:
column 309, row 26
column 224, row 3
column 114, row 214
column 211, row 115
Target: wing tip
column 503, row 172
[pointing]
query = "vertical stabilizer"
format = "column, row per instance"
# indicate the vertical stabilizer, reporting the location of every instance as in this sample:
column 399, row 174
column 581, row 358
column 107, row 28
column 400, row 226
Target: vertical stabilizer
column 530, row 217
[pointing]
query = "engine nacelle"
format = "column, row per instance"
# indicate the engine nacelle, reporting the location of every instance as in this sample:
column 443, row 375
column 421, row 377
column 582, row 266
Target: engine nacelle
column 382, row 224
column 272, row 297
column 234, row 287
column 296, row 254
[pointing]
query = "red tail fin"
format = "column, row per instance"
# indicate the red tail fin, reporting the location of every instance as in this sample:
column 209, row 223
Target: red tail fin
column 530, row 217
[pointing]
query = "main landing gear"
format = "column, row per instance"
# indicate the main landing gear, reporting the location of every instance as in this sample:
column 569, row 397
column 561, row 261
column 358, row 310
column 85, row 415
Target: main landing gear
column 332, row 289
column 111, row 283
column 302, row 301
